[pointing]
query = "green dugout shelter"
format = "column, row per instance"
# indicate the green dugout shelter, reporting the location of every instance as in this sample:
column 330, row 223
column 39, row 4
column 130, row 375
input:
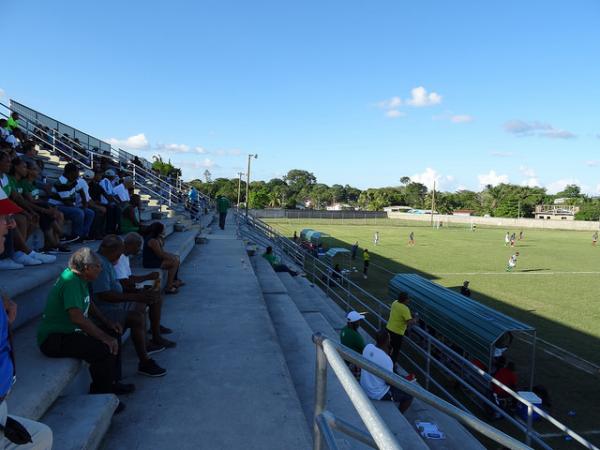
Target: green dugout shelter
column 304, row 234
column 337, row 255
column 476, row 328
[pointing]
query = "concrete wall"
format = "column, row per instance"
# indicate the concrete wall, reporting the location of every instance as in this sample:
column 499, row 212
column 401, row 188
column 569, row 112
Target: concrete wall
column 502, row 222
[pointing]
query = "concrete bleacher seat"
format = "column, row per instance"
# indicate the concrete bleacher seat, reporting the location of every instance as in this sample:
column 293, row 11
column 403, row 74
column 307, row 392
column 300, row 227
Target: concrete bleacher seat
column 316, row 310
column 43, row 382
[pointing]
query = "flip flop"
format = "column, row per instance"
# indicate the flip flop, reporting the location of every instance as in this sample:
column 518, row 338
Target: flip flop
column 171, row 291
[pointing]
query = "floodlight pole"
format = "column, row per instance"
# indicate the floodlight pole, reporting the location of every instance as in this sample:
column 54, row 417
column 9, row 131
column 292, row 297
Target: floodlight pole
column 432, row 203
column 239, row 188
column 250, row 156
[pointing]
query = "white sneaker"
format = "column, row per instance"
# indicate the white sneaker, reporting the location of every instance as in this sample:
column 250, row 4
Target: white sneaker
column 365, row 277
column 45, row 259
column 25, row 259
column 9, row 264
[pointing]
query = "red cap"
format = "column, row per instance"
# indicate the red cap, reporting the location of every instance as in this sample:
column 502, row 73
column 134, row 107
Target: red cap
column 7, row 206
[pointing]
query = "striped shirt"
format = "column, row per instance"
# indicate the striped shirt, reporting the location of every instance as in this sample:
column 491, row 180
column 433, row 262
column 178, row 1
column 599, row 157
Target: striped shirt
column 64, row 190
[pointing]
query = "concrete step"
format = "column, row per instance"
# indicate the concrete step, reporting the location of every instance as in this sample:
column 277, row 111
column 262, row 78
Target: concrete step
column 221, row 374
column 79, row 422
column 324, row 304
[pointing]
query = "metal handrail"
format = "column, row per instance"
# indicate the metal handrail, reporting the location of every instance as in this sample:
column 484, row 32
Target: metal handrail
column 320, row 269
column 336, row 355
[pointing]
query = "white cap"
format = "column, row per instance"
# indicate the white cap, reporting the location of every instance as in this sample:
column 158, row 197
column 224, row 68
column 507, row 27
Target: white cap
column 353, row 316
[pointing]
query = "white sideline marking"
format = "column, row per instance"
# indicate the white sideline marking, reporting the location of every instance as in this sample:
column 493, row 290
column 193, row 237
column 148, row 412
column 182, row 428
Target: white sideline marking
column 516, row 273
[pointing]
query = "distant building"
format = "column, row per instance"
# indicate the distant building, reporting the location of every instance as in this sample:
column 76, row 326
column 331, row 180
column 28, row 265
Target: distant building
column 396, row 208
column 556, row 212
column 463, row 212
column 340, row 207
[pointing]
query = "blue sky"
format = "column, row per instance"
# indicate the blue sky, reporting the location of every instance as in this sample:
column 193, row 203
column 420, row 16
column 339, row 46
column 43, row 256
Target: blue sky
column 463, row 92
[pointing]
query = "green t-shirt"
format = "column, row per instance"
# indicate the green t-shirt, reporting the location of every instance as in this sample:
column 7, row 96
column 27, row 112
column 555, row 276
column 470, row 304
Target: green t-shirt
column 270, row 257
column 8, row 184
column 352, row 339
column 69, row 291
column 11, row 124
column 223, row 204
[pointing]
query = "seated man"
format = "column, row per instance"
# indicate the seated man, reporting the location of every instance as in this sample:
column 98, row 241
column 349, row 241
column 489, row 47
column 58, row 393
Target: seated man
column 109, row 199
column 114, row 304
column 131, row 217
column 507, row 375
column 375, row 387
column 350, row 337
column 277, row 266
column 39, row 436
column 64, row 197
column 133, row 244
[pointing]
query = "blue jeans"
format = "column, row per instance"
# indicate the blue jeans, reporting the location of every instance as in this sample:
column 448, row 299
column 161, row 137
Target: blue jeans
column 81, row 219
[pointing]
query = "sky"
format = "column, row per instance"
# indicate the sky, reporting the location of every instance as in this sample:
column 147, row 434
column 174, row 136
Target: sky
column 465, row 93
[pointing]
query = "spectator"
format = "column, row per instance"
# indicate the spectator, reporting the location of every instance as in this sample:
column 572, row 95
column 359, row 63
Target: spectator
column 353, row 250
column 4, row 131
column 14, row 139
column 51, row 220
column 349, row 336
column 27, row 221
column 93, row 194
column 133, row 244
column 155, row 257
column 222, row 207
column 115, row 305
column 36, row 435
column 64, row 197
column 375, row 387
column 400, row 318
column 67, row 332
column 13, row 122
column 130, row 219
column 464, row 290
column 366, row 262
column 123, row 189
column 274, row 261
column 507, row 375
column 295, row 236
column 110, row 201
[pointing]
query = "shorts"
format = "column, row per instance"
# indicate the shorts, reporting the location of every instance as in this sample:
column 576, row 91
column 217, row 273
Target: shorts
column 116, row 313
column 396, row 395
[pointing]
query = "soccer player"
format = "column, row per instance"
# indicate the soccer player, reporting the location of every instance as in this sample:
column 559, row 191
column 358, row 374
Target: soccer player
column 506, row 239
column 521, row 235
column 512, row 262
column 411, row 239
column 594, row 238
column 376, row 238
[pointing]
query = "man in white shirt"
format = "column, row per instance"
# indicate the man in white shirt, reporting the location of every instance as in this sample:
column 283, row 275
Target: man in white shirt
column 375, row 387
column 133, row 244
column 121, row 190
column 111, row 201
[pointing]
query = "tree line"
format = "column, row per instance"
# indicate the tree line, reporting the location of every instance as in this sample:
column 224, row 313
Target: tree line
column 300, row 189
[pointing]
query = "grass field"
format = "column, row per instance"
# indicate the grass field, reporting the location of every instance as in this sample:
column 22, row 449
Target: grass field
column 555, row 288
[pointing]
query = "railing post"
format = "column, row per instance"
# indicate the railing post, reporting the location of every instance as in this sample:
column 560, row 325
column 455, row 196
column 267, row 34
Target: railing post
column 320, row 394
column 170, row 201
column 428, row 363
column 529, row 424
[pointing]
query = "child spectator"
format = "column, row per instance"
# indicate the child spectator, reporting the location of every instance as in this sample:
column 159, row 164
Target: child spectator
column 154, row 256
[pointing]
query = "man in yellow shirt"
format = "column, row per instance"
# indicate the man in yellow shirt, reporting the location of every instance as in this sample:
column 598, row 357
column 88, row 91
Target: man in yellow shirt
column 366, row 261
column 400, row 318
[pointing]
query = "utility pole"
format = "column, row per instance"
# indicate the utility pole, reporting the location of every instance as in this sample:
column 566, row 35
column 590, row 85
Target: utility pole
column 250, row 156
column 239, row 188
column 432, row 203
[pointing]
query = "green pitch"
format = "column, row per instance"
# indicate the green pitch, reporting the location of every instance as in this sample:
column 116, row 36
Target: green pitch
column 555, row 286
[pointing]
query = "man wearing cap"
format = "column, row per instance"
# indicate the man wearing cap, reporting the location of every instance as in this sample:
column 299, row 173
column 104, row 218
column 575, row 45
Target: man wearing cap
column 64, row 197
column 111, row 201
column 464, row 290
column 349, row 336
column 40, row 436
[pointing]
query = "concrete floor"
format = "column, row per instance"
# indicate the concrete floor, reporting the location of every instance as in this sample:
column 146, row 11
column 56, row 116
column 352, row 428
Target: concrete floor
column 227, row 385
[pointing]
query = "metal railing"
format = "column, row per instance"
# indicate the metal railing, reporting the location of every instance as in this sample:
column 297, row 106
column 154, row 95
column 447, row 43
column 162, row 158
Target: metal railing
column 352, row 296
column 379, row 436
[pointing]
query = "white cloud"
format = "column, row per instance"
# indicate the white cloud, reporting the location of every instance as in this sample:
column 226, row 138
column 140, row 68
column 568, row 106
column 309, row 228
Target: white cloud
column 527, row 171
column 200, row 150
column 461, row 118
column 502, row 154
column 429, row 176
column 523, row 128
column 136, row 142
column 173, row 148
column 420, row 97
column 206, row 163
column 228, row 152
column 491, row 178
column 559, row 185
column 531, row 182
column 394, row 113
column 391, row 103
column 592, row 163
column 598, row 189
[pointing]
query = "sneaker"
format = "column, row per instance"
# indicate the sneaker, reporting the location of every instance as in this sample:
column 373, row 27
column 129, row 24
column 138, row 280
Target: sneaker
column 68, row 240
column 365, row 277
column 61, row 249
column 151, row 369
column 152, row 348
column 165, row 330
column 26, row 260
column 166, row 343
column 46, row 259
column 123, row 388
column 9, row 264
column 83, row 240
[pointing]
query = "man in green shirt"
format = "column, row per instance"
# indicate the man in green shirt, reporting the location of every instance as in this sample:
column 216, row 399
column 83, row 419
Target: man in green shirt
column 66, row 331
column 13, row 121
column 223, row 205
column 349, row 336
